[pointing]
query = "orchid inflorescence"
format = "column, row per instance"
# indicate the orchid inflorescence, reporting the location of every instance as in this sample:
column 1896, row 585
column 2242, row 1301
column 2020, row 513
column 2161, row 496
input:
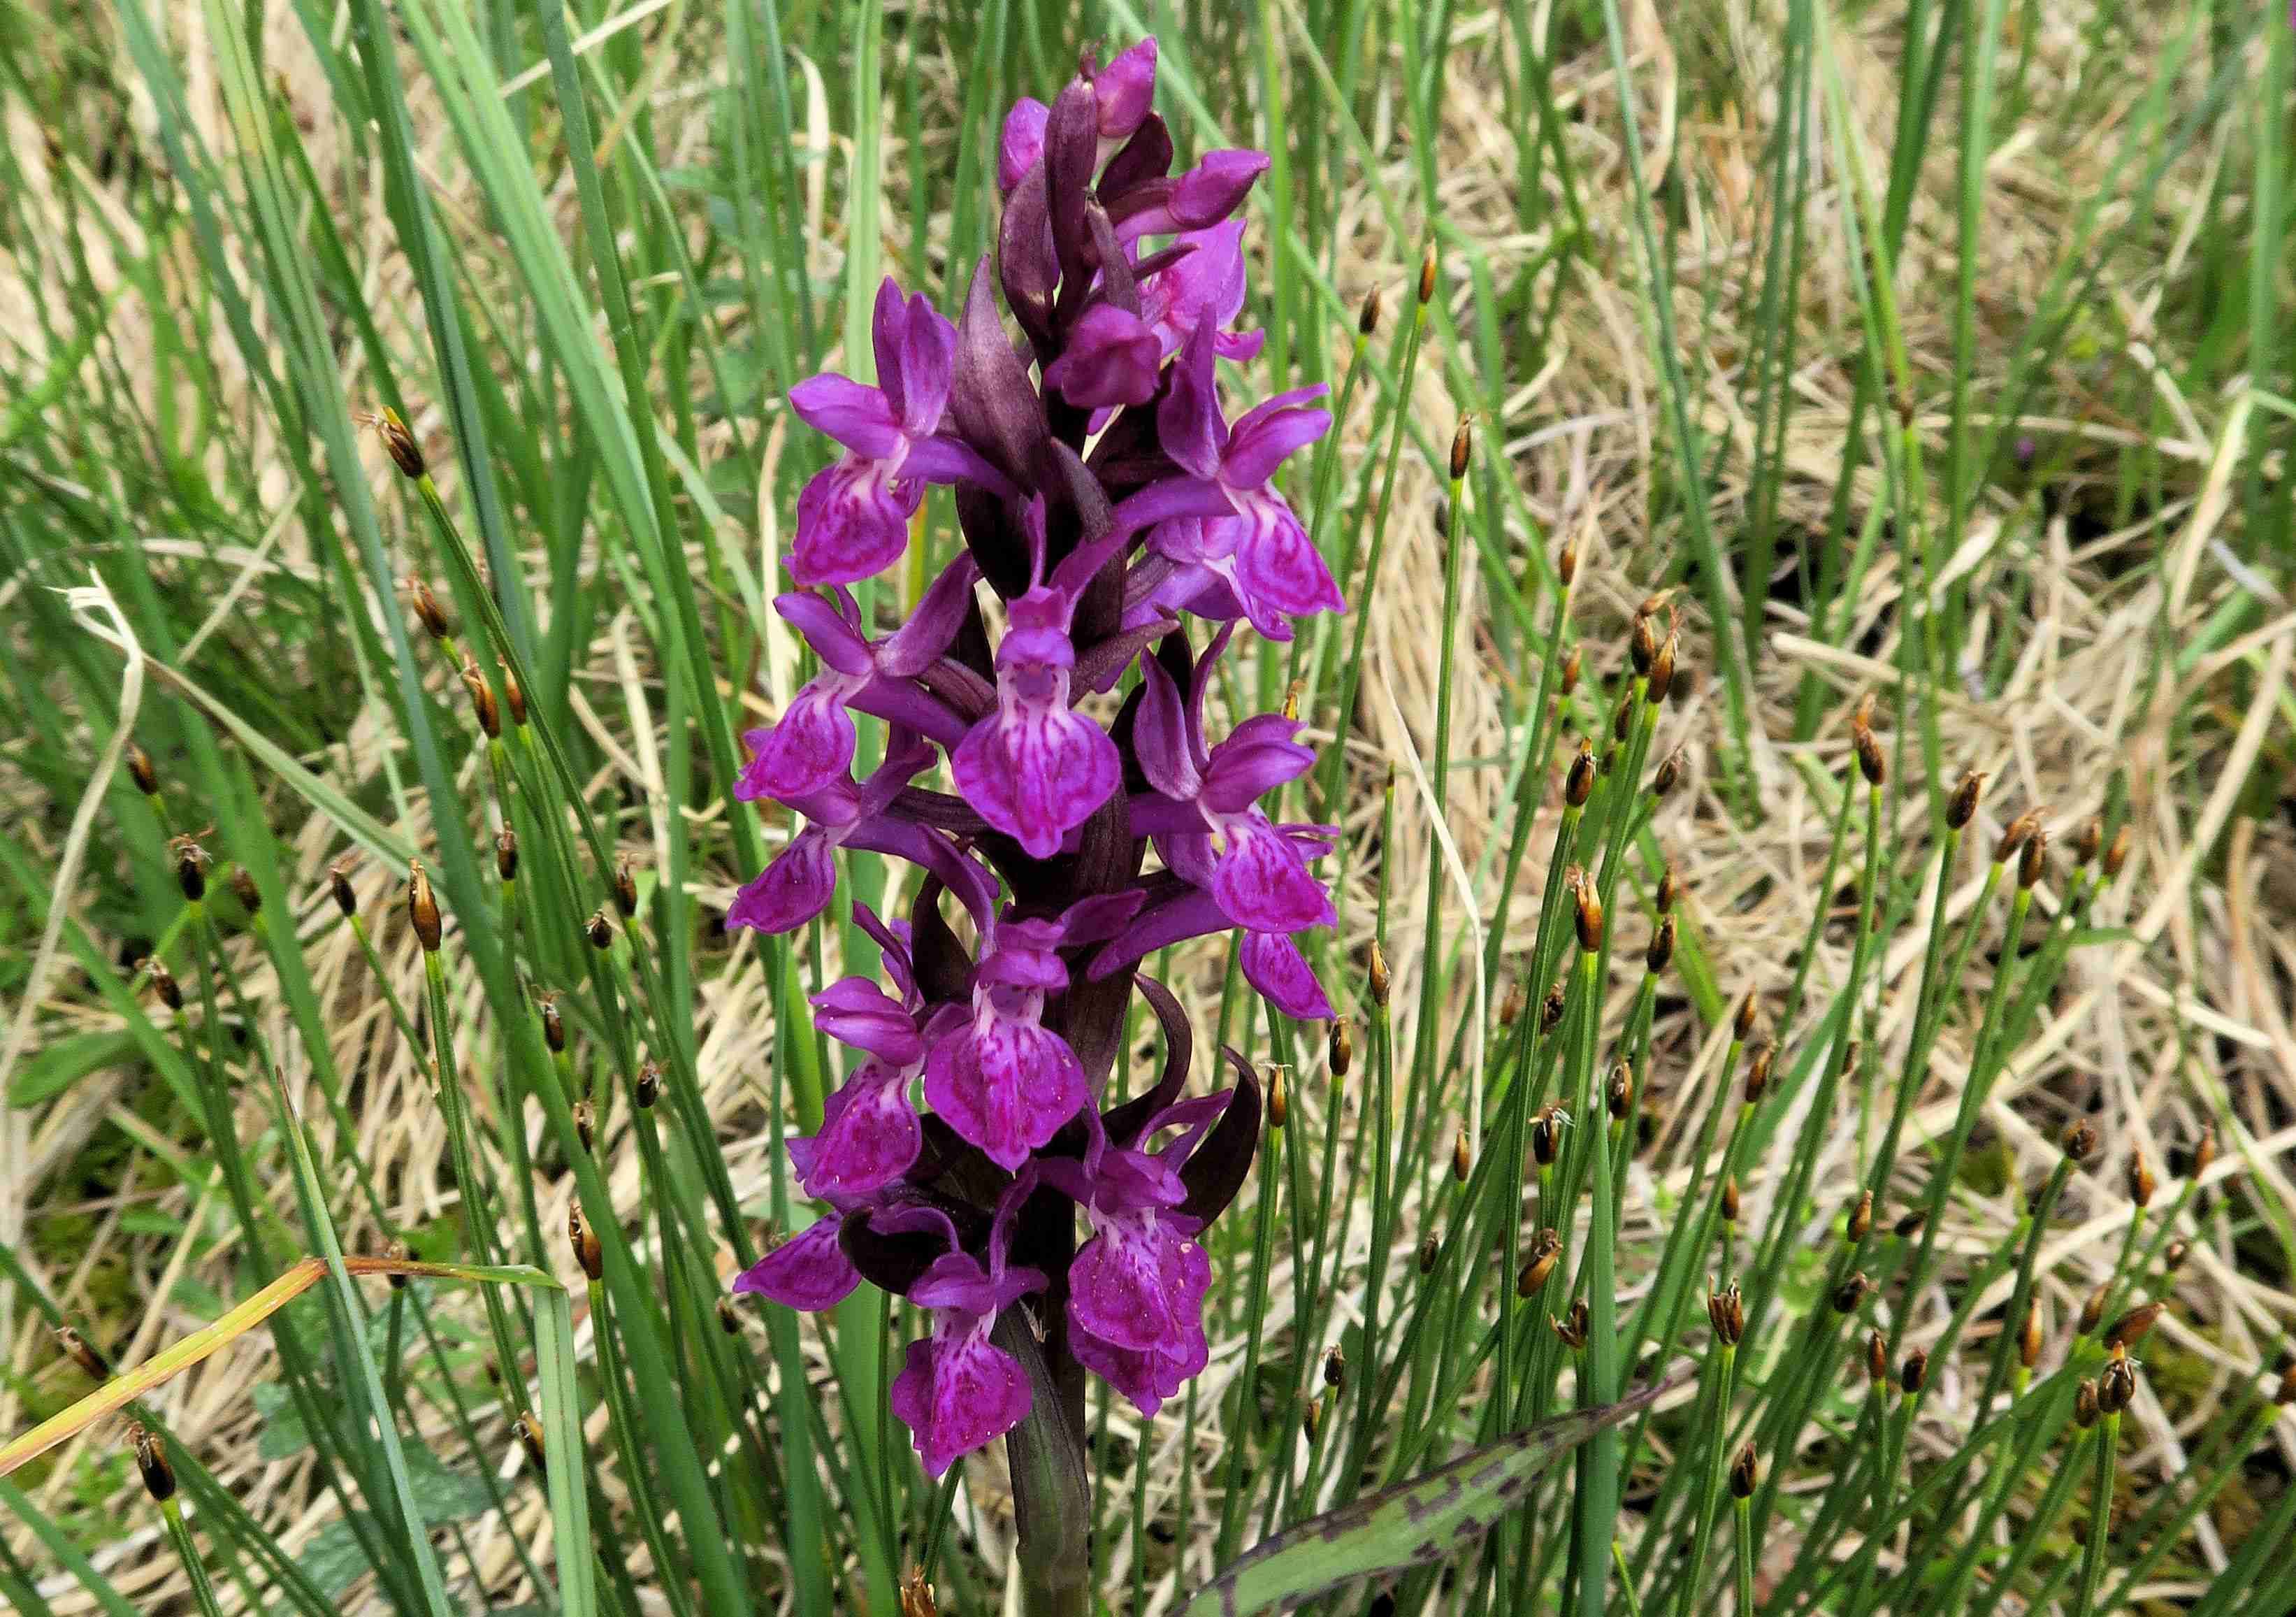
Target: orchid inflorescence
column 1103, row 500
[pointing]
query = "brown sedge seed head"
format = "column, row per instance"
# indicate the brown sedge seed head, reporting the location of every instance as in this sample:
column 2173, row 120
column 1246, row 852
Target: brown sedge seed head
column 422, row 601
column 2013, row 835
column 1910, row 1225
column 1463, row 449
column 514, row 698
column 506, row 854
column 482, row 699
column 1566, row 563
column 2205, row 1151
column 1546, row 1138
column 2116, row 853
column 1622, row 720
column 1861, row 1218
column 1961, row 808
column 2088, row 842
column 916, row 1594
column 2140, row 1182
column 1587, row 913
column 528, row 1433
column 1661, row 669
column 2085, row 1405
column 588, row 1251
column 1428, row 1252
column 1463, row 1159
column 1367, row 319
column 2080, row 1140
column 1279, row 1098
column 1377, row 975
column 647, row 1089
column 422, row 907
column 1851, row 1292
column 1914, row 1372
column 1335, row 1368
column 1871, row 764
column 2029, row 1337
column 152, row 1464
column 1730, row 1200
column 2130, row 1329
column 1427, row 268
column 553, row 1026
column 1669, row 891
column 1311, row 1419
column 1572, row 1326
column 1568, row 680
column 1725, row 1311
column 83, row 1353
column 164, row 983
column 1642, row 638
column 600, row 929
column 1745, row 1473
column 1343, row 1047
column 2116, row 1387
column 399, row 443
column 1620, row 1093
column 626, row 886
column 1579, row 781
column 1511, row 1004
column 1877, row 1357
column 2173, row 1255
column 2092, row 1314
column 1758, row 1067
column 141, row 770
column 1551, row 1009
column 243, row 889
column 729, row 1318
column 339, row 887
column 2033, row 860
column 586, row 1122
column 191, row 861
column 1546, row 1251
column 1669, row 775
column 1659, row 955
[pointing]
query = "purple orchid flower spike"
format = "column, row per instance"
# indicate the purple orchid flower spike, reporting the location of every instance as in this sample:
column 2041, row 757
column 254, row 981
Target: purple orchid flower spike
column 958, row 1391
column 1224, row 543
column 800, row 883
column 1036, row 768
column 1021, row 146
column 853, row 518
column 811, row 749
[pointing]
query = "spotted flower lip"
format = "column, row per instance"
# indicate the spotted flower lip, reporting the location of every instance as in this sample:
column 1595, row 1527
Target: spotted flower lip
column 1078, row 816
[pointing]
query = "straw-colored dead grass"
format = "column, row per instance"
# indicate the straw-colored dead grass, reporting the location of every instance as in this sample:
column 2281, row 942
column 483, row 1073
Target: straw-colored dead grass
column 2187, row 1010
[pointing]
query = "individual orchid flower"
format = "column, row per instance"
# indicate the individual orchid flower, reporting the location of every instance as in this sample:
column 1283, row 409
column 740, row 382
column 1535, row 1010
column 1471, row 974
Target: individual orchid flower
column 958, row 1391
column 1036, row 768
column 870, row 1133
column 853, row 517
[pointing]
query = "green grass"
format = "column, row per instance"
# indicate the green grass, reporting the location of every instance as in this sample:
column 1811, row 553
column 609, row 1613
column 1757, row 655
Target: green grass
column 1927, row 352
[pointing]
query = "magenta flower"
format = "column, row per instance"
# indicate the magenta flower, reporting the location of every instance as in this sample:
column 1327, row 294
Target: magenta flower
column 853, row 518
column 1100, row 492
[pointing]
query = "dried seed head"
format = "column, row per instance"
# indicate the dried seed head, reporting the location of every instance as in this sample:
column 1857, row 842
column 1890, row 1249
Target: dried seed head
column 1622, row 722
column 587, row 1252
column 1579, row 782
column 404, row 453
column 397, row 1252
column 600, row 929
column 528, row 1433
column 1661, row 673
column 1642, row 638
column 1726, row 1310
column 2033, row 860
column 2116, row 853
column 506, row 854
column 1587, row 913
column 647, row 1088
column 1566, row 563
column 1659, row 955
column 2116, row 1388
column 626, row 887
column 1569, row 680
column 1730, row 1200
column 1745, row 1473
column 1546, row 1251
column 1428, row 1251
column 1851, row 1292
column 1512, row 1006
column 1870, row 761
column 423, row 602
column 1913, row 1372
column 1910, row 1225
column 1572, row 1326
column 916, row 1594
column 2089, row 840
column 1861, row 1216
column 2029, row 1337
column 78, row 1349
column 2130, row 1329
column 1462, row 1159
column 2092, row 1314
column 2205, row 1151
column 1621, row 1094
column 2079, row 1139
column 1427, row 265
column 1335, row 1368
column 586, row 1122
column 1877, row 1357
column 191, row 862
column 2140, row 1182
column 514, row 698
column 1962, row 806
column 141, row 771
column 1545, row 1136
column 1551, row 1009
column 1758, row 1071
column 482, row 699
column 1279, row 1099
column 2085, row 1405
column 2173, row 1255
column 2013, row 835
column 164, row 983
column 151, row 1463
column 243, row 889
column 1669, row 891
column 422, row 907
column 339, row 886
column 553, row 1026
column 1743, row 1028
column 1378, row 975
column 1463, row 449
column 1311, row 1419
column 729, row 1318
column 1367, row 321
column 1343, row 1047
